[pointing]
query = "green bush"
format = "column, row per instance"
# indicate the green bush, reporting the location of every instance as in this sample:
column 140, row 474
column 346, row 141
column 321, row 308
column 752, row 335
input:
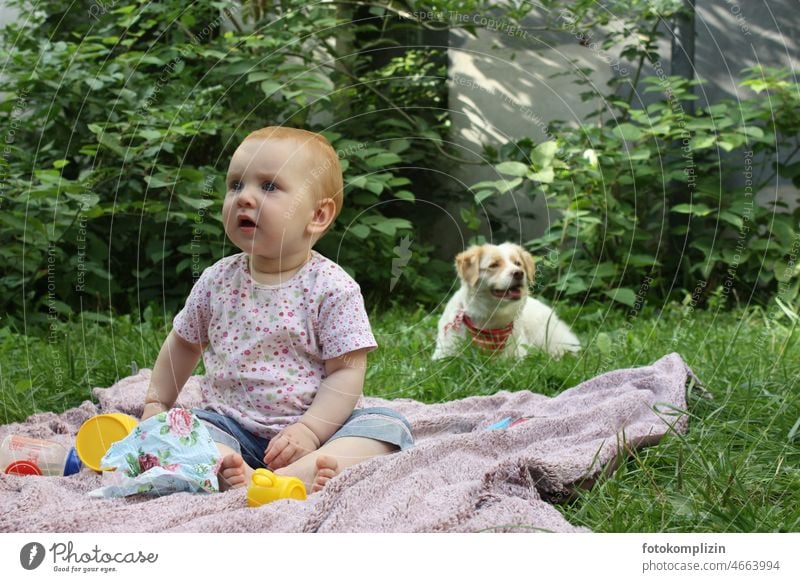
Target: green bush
column 638, row 196
column 123, row 119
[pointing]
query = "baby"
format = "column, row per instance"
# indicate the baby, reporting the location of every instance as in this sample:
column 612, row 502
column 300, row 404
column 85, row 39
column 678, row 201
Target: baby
column 282, row 330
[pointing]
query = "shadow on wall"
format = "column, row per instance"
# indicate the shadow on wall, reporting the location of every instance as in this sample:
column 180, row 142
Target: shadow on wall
column 502, row 89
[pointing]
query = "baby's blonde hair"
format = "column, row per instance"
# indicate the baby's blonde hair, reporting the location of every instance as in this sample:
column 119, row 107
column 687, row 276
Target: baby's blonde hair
column 328, row 174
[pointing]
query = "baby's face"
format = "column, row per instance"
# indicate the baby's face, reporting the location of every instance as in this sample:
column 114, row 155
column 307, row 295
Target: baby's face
column 269, row 198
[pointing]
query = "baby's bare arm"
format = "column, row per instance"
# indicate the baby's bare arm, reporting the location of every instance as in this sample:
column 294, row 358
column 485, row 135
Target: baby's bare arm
column 175, row 363
column 337, row 395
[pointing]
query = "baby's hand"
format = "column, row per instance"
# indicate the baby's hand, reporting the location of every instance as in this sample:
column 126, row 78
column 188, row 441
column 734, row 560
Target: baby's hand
column 292, row 443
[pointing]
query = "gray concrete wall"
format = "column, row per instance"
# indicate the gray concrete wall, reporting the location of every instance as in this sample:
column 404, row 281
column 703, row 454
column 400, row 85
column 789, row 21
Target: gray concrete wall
column 501, row 87
column 7, row 14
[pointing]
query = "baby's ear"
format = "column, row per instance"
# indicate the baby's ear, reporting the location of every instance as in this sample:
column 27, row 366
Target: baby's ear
column 323, row 217
column 527, row 263
column 468, row 264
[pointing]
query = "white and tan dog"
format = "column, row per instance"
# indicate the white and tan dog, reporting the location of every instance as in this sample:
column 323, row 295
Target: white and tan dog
column 494, row 308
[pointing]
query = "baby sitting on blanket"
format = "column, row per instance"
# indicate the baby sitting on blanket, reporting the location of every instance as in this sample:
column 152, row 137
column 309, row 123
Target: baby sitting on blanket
column 282, row 330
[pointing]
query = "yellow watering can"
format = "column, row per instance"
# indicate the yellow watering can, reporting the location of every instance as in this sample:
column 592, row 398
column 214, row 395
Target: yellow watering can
column 265, row 487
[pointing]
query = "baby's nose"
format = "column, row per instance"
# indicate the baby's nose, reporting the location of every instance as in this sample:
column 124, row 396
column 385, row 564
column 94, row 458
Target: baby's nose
column 246, row 198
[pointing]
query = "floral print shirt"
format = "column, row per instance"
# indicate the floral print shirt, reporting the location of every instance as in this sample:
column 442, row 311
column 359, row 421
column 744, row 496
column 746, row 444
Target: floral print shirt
column 267, row 344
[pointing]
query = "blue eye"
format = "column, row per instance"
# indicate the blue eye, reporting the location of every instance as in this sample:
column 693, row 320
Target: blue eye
column 235, row 185
column 269, row 186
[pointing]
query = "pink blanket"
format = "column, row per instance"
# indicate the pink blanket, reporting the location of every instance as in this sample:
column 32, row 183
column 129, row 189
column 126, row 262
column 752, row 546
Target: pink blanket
column 458, row 478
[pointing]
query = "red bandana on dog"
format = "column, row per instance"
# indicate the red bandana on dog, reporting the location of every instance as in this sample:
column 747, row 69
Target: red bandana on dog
column 488, row 339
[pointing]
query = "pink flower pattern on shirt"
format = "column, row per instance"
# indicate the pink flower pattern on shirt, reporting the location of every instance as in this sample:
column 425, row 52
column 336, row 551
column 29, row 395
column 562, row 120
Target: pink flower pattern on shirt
column 267, row 344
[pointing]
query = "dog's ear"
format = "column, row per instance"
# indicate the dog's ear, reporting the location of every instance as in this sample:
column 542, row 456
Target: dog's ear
column 527, row 264
column 468, row 264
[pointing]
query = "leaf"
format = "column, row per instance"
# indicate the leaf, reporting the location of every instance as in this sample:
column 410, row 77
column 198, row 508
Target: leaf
column 731, row 218
column 701, row 143
column 622, row 295
column 59, row 306
column 628, row 131
column 196, row 203
column 753, row 131
column 399, row 145
column 504, row 186
column 542, row 155
column 572, row 285
column 698, row 209
column 388, row 227
column 793, row 317
column 546, row 176
column 603, row 343
column 702, row 123
column 359, row 230
column 641, row 260
column 383, row 159
column 270, row 87
column 358, row 182
column 604, row 270
column 640, row 154
column 793, row 430
column 782, row 231
column 133, row 465
column 259, row 76
column 374, row 186
column 482, row 195
column 150, row 134
column 405, row 195
column 726, row 145
column 156, row 182
column 512, row 168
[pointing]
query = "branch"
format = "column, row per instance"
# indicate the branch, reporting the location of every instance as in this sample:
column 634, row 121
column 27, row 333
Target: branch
column 635, row 81
column 408, row 15
column 343, row 69
column 773, row 174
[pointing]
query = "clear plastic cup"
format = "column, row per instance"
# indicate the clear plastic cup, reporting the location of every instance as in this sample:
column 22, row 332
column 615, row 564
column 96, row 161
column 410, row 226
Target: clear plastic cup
column 21, row 455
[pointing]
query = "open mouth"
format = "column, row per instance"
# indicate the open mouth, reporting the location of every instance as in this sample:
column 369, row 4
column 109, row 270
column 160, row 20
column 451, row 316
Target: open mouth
column 513, row 293
column 246, row 224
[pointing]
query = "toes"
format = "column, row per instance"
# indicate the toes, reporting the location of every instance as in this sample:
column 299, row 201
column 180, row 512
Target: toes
column 326, row 474
column 324, row 462
column 319, row 483
column 232, row 461
column 231, row 472
column 327, row 469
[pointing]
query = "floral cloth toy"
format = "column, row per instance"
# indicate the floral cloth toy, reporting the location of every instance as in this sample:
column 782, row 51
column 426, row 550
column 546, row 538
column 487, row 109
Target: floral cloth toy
column 169, row 452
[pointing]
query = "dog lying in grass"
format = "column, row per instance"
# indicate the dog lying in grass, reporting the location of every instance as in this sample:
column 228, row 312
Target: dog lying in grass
column 494, row 308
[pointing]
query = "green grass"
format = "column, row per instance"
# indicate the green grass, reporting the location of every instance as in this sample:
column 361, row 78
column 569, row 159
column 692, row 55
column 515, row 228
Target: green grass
column 737, row 469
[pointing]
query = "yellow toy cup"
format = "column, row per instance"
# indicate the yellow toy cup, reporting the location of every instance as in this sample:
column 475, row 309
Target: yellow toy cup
column 97, row 434
column 265, row 487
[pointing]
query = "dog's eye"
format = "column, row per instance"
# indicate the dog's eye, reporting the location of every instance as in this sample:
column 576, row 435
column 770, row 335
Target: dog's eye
column 494, row 265
column 518, row 263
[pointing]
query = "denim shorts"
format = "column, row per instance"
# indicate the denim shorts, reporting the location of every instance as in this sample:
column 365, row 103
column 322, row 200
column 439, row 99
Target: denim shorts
column 378, row 423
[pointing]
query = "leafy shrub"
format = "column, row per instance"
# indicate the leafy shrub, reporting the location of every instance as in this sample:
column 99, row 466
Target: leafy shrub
column 123, row 119
column 639, row 202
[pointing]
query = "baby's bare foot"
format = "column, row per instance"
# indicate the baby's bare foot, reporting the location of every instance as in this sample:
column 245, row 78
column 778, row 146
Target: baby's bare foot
column 327, row 469
column 232, row 472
